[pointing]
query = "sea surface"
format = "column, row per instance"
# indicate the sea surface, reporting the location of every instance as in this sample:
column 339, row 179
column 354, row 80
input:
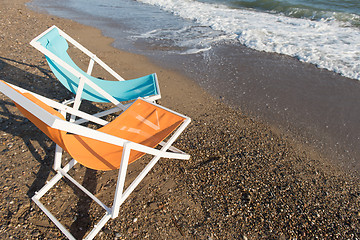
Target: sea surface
column 292, row 63
column 325, row 33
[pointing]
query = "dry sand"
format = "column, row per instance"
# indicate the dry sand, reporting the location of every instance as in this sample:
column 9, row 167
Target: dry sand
column 243, row 180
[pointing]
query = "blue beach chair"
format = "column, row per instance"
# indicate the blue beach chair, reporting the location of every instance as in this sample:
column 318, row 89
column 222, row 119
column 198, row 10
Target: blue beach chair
column 53, row 43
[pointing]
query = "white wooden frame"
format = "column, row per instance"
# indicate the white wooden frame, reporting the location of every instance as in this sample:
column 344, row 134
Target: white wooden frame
column 71, row 127
column 83, row 79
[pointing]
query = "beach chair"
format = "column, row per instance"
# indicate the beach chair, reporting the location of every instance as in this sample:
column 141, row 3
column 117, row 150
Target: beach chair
column 53, row 43
column 136, row 132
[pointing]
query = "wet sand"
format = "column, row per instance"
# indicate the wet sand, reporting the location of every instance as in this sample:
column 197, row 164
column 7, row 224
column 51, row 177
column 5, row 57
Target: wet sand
column 244, row 179
column 315, row 107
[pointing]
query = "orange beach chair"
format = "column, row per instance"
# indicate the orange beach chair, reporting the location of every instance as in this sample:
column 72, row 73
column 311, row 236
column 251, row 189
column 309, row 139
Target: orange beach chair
column 54, row 44
column 137, row 131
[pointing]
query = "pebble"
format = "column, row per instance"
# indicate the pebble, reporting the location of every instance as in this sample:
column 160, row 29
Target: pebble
column 241, row 177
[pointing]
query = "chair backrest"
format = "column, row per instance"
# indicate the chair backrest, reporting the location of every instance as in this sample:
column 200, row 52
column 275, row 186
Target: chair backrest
column 120, row 90
column 143, row 123
column 54, row 134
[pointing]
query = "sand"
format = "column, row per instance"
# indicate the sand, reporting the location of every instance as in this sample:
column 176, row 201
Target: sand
column 244, row 179
column 317, row 107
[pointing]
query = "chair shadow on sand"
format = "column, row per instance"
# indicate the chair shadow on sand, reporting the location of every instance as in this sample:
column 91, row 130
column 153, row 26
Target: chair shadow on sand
column 31, row 135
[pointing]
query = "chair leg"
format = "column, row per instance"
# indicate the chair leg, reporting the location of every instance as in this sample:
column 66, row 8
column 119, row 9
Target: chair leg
column 118, row 198
column 77, row 100
column 90, row 236
column 98, row 226
column 53, row 219
column 120, row 194
column 43, row 190
column 57, row 158
column 62, row 172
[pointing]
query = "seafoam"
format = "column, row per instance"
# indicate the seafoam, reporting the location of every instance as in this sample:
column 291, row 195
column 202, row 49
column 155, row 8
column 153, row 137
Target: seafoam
column 325, row 42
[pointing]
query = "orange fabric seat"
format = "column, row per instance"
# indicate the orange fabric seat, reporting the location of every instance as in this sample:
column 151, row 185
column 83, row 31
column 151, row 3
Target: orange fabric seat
column 141, row 123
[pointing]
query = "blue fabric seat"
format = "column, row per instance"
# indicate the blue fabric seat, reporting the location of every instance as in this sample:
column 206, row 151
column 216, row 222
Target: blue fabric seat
column 146, row 86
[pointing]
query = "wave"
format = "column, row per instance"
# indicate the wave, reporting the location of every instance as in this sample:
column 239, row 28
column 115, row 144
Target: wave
column 326, row 43
column 342, row 11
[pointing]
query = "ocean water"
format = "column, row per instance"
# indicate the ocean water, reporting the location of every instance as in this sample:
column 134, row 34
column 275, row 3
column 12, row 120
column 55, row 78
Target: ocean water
column 323, row 33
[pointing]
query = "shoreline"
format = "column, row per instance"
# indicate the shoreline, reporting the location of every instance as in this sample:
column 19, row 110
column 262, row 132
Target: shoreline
column 243, row 179
column 313, row 107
